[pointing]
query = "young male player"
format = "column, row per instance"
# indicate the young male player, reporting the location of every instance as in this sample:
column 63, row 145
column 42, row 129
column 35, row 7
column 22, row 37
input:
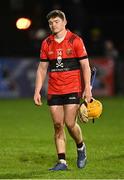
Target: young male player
column 65, row 55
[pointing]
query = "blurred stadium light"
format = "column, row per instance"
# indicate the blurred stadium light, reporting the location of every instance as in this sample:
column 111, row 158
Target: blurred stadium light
column 23, row 23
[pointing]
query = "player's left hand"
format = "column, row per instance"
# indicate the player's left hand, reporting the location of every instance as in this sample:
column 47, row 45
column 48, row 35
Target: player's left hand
column 87, row 94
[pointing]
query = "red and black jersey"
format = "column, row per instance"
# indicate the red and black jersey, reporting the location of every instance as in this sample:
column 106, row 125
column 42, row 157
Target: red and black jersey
column 64, row 65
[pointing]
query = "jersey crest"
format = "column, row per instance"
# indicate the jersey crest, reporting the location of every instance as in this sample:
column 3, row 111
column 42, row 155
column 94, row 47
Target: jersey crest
column 59, row 62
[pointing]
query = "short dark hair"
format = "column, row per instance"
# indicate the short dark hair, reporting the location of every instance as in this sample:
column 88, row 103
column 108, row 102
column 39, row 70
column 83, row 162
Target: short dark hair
column 56, row 13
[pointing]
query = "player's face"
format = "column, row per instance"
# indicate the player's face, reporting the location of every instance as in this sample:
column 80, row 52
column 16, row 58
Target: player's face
column 57, row 24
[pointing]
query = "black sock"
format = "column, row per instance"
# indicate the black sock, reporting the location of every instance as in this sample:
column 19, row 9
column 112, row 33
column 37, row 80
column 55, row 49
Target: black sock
column 80, row 145
column 61, row 156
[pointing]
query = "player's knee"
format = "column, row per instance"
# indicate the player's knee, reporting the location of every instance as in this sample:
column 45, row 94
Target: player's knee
column 58, row 126
column 58, row 130
column 70, row 125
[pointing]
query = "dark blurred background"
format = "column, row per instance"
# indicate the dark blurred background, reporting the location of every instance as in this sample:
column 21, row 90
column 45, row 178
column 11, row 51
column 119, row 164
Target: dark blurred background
column 99, row 23
column 88, row 18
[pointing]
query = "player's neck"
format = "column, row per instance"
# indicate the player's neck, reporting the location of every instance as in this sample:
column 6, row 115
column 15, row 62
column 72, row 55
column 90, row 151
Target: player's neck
column 60, row 36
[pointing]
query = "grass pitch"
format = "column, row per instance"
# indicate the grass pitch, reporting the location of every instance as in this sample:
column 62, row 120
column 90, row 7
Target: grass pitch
column 27, row 148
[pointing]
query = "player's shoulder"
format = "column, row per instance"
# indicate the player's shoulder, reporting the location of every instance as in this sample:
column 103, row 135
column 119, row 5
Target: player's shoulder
column 47, row 40
column 73, row 37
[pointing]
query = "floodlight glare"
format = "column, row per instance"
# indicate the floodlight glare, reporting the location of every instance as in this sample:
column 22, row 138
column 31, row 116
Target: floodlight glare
column 23, row 23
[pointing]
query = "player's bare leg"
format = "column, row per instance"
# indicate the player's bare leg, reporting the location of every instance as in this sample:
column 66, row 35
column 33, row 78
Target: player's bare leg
column 70, row 112
column 57, row 113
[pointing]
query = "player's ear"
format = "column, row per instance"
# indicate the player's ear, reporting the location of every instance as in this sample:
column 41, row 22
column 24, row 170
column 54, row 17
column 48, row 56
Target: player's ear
column 65, row 22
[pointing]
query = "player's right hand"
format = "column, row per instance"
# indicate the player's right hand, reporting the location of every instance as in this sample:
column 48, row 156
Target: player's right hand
column 37, row 99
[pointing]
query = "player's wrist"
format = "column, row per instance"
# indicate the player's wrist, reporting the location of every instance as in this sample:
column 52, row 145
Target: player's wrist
column 37, row 92
column 88, row 87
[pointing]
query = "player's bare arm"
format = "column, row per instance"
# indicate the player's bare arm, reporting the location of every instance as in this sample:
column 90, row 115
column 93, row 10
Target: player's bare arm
column 87, row 94
column 40, row 77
